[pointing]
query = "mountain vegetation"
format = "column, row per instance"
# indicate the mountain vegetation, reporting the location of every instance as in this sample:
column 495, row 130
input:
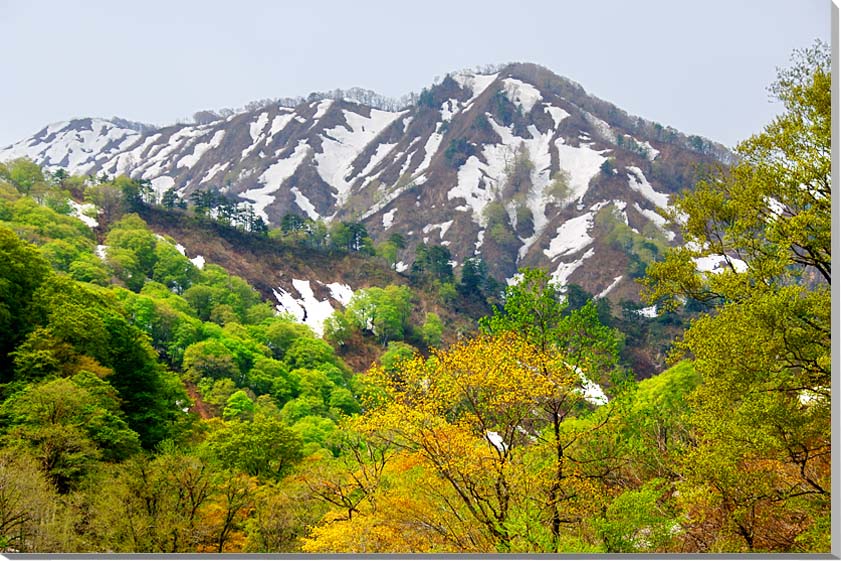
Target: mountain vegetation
column 150, row 402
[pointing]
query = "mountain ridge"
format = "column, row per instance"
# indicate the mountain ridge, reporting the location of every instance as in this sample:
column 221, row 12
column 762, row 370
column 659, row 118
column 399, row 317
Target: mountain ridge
column 518, row 166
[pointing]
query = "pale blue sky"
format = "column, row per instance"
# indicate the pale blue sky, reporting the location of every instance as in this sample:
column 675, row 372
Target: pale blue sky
column 701, row 67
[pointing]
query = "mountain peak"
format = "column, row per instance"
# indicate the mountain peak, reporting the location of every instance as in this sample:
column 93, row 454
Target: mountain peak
column 510, row 163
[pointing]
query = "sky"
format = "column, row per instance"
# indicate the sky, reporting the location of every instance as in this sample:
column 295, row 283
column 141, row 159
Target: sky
column 702, row 67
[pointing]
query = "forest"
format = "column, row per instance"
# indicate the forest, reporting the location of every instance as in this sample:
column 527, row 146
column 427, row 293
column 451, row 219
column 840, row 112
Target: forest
column 151, row 405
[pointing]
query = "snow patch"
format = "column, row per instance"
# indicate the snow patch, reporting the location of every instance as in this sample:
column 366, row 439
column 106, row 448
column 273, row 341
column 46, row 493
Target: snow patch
column 429, row 149
column 444, row 226
column 640, row 184
column 74, row 145
column 190, row 160
column 342, row 144
column 216, row 168
column 582, row 163
column 718, row 263
column 81, row 212
column 590, row 390
column 341, row 293
column 658, row 220
column 161, row 185
column 388, row 218
column 607, row 290
column 380, row 153
column 321, row 110
column 305, row 204
column 476, row 83
column 522, row 94
column 564, row 270
column 649, row 312
column 556, row 113
column 448, row 109
column 496, row 440
column 279, row 123
column 274, row 177
column 571, row 236
column 471, row 188
column 306, row 309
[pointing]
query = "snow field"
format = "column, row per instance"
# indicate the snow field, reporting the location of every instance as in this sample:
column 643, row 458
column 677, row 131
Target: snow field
column 640, row 184
column 305, row 204
column 274, row 177
column 81, row 211
column 388, row 218
column 521, row 94
column 572, row 236
column 308, row 309
column 342, row 144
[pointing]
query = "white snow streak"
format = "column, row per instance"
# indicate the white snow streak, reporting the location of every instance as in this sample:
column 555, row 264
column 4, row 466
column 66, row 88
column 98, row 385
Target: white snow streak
column 571, row 236
column 607, row 290
column 582, row 163
column 342, row 144
column 341, row 293
column 564, row 270
column 305, row 204
column 388, row 218
column 557, row 114
column 81, row 212
column 522, row 94
column 306, row 309
column 190, row 160
column 640, row 184
column 257, row 126
column 274, row 177
column 476, row 83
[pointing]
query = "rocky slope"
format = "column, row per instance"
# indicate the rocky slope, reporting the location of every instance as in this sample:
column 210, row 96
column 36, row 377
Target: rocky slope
column 518, row 166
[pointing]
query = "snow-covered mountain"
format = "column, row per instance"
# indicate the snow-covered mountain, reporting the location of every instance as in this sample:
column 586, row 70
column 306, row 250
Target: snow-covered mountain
column 513, row 165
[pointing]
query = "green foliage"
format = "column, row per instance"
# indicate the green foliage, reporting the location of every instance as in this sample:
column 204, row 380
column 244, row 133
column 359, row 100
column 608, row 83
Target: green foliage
column 83, row 325
column 209, row 359
column 265, row 447
column 636, row 521
column 381, row 312
column 432, row 263
column 432, row 329
column 458, row 152
column 173, row 269
column 24, row 174
column 395, row 354
column 761, row 401
column 22, row 270
column 306, row 352
column 280, row 334
column 474, row 277
column 641, row 250
column 239, row 406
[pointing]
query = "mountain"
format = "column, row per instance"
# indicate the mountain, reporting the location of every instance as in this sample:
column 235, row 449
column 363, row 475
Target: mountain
column 518, row 166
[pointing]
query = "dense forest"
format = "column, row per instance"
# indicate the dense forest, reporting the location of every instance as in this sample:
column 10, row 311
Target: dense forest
column 152, row 405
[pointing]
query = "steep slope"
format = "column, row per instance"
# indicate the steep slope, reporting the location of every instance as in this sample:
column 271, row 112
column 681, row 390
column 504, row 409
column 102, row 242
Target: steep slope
column 519, row 166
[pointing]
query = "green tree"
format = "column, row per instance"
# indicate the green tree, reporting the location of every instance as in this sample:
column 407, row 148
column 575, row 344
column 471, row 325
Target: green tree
column 432, row 329
column 762, row 410
column 239, row 406
column 265, row 447
column 22, row 270
column 24, row 174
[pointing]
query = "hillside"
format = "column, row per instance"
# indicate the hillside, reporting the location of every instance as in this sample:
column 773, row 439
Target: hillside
column 519, row 167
